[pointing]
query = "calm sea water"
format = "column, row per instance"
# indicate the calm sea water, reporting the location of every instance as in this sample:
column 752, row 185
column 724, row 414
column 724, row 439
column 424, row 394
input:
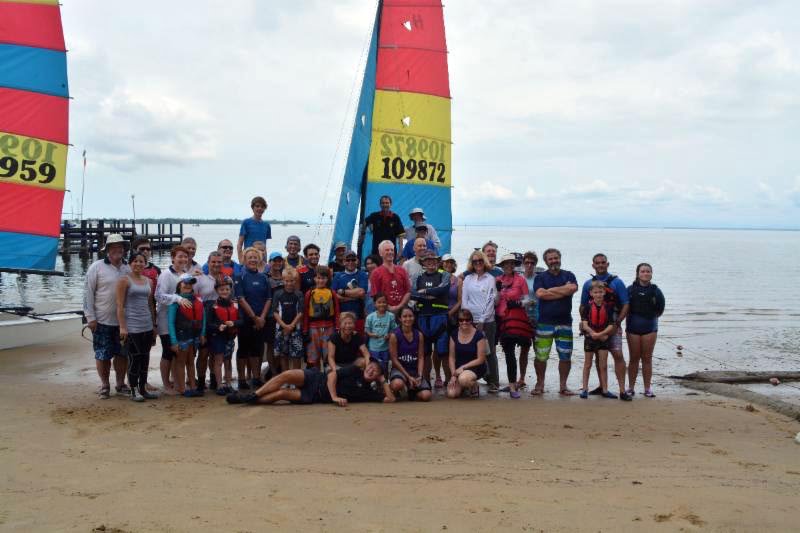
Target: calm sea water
column 730, row 299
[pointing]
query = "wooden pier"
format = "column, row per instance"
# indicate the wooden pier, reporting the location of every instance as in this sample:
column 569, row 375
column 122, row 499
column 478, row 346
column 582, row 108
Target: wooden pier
column 86, row 237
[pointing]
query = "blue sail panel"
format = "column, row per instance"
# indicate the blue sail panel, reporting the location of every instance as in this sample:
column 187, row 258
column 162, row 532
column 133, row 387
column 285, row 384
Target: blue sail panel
column 33, row 69
column 27, row 252
column 358, row 156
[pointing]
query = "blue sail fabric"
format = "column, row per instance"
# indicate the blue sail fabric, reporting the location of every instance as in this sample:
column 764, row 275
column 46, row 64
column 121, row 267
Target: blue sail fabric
column 358, row 156
column 33, row 69
column 27, row 252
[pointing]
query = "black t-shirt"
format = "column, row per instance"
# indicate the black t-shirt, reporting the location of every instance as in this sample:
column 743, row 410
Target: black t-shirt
column 351, row 385
column 287, row 304
column 347, row 351
column 384, row 228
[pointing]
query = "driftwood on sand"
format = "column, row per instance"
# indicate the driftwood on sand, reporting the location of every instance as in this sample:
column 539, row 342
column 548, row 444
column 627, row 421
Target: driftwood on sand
column 723, row 384
column 738, row 376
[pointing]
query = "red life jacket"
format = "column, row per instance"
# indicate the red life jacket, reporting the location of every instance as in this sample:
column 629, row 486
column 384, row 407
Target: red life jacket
column 226, row 313
column 516, row 323
column 190, row 318
column 598, row 317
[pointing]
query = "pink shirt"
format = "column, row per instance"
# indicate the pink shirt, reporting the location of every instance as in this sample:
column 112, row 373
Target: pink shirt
column 394, row 285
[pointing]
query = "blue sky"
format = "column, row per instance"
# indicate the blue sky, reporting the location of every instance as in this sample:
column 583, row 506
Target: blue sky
column 668, row 113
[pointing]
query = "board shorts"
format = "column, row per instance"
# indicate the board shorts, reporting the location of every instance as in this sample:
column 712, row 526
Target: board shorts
column 546, row 334
column 221, row 344
column 434, row 329
column 591, row 345
column 317, row 347
column 193, row 342
column 383, row 358
column 251, row 342
column 313, row 381
column 105, row 342
column 289, row 345
column 639, row 325
column 412, row 393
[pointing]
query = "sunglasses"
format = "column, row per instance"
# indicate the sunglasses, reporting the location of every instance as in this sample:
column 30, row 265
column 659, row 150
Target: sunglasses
column 477, row 261
column 226, row 247
column 143, row 249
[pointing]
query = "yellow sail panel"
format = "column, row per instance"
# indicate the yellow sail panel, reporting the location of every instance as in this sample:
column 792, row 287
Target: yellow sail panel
column 33, row 162
column 410, row 139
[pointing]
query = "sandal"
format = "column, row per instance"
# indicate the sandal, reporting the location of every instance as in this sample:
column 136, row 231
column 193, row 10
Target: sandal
column 521, row 385
column 649, row 394
column 567, row 392
column 515, row 394
column 537, row 392
column 122, row 389
column 105, row 393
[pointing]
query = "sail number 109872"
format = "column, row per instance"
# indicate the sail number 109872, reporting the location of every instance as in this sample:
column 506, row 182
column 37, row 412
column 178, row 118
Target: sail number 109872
column 414, row 158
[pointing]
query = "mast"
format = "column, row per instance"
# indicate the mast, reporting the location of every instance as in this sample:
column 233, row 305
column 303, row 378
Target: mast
column 34, row 108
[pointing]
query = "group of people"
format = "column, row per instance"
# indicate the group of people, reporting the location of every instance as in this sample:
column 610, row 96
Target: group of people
column 400, row 327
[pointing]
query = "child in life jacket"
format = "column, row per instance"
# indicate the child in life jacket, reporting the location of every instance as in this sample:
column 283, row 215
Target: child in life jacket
column 598, row 324
column 320, row 314
column 187, row 325
column 223, row 323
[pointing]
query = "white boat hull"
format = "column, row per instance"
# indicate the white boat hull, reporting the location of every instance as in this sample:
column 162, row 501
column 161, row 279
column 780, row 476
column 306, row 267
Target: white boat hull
column 17, row 331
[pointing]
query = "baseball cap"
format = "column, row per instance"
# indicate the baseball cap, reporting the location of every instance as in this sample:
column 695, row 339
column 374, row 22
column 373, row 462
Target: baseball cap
column 275, row 255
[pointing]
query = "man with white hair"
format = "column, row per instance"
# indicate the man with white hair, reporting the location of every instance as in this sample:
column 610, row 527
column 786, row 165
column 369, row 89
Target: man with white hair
column 390, row 280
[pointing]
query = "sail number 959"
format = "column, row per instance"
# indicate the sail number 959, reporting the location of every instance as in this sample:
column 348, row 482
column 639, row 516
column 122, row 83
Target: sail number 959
column 399, row 168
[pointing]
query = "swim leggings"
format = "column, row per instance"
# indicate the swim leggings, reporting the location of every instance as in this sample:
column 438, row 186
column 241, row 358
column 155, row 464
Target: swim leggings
column 138, row 345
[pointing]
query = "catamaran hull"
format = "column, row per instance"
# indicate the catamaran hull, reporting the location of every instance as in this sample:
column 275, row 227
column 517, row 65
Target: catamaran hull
column 18, row 331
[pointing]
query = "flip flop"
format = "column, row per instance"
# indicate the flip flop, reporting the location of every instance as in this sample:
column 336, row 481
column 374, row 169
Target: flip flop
column 537, row 392
column 649, row 394
column 566, row 392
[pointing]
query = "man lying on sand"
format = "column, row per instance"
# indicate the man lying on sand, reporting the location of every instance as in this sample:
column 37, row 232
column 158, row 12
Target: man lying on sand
column 349, row 383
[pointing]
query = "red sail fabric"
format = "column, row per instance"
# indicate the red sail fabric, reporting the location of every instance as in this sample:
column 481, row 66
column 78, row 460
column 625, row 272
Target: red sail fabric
column 35, row 25
column 412, row 53
column 33, row 210
column 415, row 71
column 413, row 26
column 34, row 115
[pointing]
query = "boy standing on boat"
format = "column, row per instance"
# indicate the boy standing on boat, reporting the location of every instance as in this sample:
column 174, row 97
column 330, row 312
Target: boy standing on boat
column 100, row 310
column 254, row 228
column 417, row 216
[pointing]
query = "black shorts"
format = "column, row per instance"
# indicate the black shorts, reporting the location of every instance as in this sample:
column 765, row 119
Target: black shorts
column 592, row 345
column 269, row 331
column 166, row 353
column 313, row 381
column 251, row 342
column 510, row 342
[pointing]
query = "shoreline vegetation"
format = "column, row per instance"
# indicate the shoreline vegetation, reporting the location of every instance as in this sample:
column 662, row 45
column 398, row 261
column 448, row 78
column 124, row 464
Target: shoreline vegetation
column 208, row 221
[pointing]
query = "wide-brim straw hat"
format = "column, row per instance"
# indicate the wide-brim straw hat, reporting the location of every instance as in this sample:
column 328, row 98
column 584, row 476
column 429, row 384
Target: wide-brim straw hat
column 115, row 238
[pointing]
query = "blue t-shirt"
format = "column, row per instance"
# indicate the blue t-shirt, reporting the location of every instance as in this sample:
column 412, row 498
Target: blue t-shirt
column 554, row 312
column 380, row 325
column 408, row 249
column 616, row 284
column 255, row 230
column 340, row 281
column 255, row 288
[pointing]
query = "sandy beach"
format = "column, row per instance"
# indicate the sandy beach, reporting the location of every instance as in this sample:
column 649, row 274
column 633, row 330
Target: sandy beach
column 72, row 462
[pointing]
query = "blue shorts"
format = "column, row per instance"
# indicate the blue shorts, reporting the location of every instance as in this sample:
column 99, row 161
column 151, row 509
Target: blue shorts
column 105, row 342
column 221, row 344
column 639, row 325
column 546, row 334
column 434, row 328
column 194, row 342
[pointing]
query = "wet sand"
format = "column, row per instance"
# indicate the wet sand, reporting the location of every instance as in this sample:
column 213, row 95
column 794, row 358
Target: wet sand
column 72, row 462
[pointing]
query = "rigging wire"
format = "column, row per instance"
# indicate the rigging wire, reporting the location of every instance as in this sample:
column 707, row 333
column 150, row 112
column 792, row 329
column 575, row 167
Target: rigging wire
column 345, row 120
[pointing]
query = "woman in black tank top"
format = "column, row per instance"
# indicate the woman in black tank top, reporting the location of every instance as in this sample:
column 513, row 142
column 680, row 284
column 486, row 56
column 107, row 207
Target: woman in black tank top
column 468, row 349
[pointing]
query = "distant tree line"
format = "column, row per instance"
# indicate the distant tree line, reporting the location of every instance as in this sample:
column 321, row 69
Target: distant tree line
column 207, row 221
